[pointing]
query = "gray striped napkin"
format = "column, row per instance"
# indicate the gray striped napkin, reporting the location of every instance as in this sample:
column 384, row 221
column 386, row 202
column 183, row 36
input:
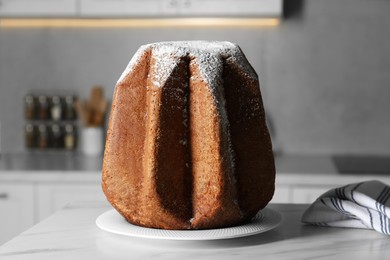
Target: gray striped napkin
column 359, row 205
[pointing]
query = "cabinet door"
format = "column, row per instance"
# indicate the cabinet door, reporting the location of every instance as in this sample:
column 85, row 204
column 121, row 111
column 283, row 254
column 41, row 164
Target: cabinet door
column 230, row 7
column 308, row 194
column 34, row 8
column 282, row 194
column 16, row 209
column 52, row 197
column 127, row 8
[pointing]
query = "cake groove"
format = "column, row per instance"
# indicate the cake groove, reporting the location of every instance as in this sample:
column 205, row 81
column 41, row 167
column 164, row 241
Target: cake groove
column 213, row 194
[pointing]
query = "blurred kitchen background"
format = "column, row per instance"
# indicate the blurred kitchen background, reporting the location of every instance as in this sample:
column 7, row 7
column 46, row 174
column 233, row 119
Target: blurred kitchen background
column 324, row 69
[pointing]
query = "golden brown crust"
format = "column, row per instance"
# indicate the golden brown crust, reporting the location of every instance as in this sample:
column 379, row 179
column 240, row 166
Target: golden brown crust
column 122, row 162
column 255, row 168
column 186, row 150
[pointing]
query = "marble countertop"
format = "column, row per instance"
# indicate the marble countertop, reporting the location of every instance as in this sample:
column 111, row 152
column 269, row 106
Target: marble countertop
column 72, row 234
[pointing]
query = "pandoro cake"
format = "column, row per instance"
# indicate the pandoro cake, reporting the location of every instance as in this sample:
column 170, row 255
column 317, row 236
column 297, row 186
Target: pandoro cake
column 187, row 144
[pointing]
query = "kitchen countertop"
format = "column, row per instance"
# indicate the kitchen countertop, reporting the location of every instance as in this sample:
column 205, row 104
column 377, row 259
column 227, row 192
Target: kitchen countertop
column 76, row 162
column 47, row 167
column 75, row 167
column 72, row 234
column 35, row 162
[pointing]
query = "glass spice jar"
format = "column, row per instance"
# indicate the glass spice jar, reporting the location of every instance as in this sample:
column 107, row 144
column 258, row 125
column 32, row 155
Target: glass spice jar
column 56, row 108
column 56, row 136
column 69, row 112
column 43, row 108
column 29, row 134
column 70, row 137
column 29, row 107
column 43, row 137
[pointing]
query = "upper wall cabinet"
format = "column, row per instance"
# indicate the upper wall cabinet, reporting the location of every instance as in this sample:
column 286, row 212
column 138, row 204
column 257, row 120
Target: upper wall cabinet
column 264, row 8
column 164, row 8
column 128, row 8
column 38, row 8
column 140, row 8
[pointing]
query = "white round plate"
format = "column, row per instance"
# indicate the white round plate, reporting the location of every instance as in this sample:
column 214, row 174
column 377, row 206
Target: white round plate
column 265, row 220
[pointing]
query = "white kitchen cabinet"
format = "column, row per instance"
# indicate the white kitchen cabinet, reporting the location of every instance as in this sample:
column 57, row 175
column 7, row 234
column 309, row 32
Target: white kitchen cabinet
column 308, row 194
column 38, row 8
column 16, row 209
column 266, row 8
column 52, row 197
column 139, row 8
column 129, row 8
column 282, row 194
column 294, row 193
column 162, row 8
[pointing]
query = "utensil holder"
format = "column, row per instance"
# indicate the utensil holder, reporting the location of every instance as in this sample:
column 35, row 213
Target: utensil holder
column 92, row 140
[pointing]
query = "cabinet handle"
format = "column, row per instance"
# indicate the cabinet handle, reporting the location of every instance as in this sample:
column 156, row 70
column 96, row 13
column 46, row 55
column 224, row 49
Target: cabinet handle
column 3, row 196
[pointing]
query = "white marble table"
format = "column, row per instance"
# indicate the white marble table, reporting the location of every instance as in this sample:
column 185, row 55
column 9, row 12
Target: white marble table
column 72, row 234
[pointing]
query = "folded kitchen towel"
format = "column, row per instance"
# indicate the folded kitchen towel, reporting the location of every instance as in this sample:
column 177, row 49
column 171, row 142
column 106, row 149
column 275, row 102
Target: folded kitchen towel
column 359, row 205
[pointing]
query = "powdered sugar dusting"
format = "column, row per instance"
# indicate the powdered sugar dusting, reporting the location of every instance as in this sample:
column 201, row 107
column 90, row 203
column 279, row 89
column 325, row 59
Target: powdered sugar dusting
column 168, row 53
column 163, row 65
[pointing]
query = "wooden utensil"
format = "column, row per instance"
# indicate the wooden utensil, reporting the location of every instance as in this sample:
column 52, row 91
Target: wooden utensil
column 92, row 112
